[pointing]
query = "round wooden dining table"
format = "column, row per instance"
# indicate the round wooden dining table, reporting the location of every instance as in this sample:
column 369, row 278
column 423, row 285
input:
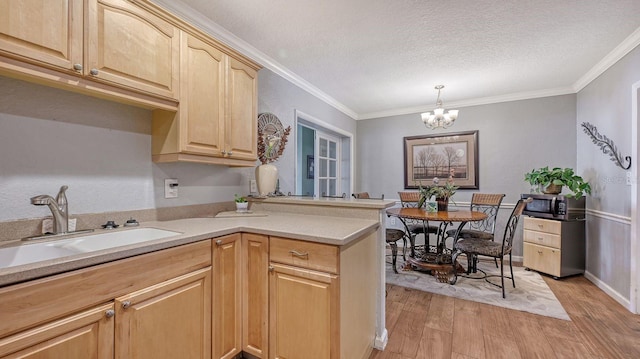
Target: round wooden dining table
column 436, row 259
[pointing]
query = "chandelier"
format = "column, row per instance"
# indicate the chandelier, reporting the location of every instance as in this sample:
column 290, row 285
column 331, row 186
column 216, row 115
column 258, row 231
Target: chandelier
column 439, row 118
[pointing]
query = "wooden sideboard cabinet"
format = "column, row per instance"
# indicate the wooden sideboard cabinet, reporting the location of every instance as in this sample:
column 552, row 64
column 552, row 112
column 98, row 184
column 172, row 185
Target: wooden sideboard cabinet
column 554, row 247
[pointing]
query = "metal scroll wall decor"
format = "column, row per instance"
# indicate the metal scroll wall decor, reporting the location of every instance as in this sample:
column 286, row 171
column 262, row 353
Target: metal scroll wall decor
column 272, row 137
column 606, row 145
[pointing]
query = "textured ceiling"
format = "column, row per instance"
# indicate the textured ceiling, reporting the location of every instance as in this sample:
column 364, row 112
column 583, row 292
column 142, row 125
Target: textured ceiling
column 378, row 58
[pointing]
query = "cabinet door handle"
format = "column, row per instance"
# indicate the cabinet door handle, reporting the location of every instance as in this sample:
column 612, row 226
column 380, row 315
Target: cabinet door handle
column 218, row 242
column 110, row 313
column 299, row 254
column 271, row 269
column 94, row 72
column 230, row 153
column 540, row 238
column 77, row 67
column 126, row 304
column 224, row 152
column 539, row 252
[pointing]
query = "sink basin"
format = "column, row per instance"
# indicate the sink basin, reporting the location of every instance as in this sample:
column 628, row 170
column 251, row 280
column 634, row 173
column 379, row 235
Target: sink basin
column 36, row 252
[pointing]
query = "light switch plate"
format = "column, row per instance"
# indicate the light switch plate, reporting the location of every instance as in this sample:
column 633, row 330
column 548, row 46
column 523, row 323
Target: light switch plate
column 253, row 187
column 171, row 188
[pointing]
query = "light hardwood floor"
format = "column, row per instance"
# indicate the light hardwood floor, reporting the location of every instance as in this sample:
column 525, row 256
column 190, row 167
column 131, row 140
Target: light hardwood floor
column 426, row 325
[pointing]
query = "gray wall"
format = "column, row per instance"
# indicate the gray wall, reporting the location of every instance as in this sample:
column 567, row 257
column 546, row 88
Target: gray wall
column 607, row 103
column 280, row 97
column 513, row 138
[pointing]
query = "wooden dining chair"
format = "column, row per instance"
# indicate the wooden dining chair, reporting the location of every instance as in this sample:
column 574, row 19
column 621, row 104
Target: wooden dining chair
column 478, row 246
column 392, row 235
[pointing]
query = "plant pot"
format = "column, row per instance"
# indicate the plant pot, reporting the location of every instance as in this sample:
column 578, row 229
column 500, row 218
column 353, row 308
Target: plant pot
column 266, row 179
column 242, row 206
column 552, row 189
column 443, row 204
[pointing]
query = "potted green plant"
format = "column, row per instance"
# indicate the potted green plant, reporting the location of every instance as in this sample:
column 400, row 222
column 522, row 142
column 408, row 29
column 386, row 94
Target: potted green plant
column 552, row 180
column 442, row 194
column 241, row 203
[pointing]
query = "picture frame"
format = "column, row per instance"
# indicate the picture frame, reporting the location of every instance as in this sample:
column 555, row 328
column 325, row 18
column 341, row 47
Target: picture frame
column 310, row 167
column 440, row 156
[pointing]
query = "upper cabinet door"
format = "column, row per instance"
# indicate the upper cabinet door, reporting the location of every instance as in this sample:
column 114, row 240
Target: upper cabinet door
column 48, row 32
column 202, row 93
column 241, row 127
column 130, row 46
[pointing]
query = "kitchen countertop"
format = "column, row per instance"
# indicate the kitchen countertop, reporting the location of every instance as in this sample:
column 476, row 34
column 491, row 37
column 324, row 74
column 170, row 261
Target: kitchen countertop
column 321, row 229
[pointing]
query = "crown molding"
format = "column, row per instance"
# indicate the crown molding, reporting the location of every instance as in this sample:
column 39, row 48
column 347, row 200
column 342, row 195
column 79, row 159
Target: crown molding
column 223, row 35
column 472, row 102
column 195, row 18
column 630, row 43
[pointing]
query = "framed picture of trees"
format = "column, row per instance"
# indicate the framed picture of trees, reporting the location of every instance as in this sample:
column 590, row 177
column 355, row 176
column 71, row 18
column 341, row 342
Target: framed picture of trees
column 441, row 156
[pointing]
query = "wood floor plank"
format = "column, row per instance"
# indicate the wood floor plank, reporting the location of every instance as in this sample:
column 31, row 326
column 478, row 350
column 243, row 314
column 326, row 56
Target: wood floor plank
column 440, row 315
column 529, row 336
column 435, row 344
column 496, row 321
column 567, row 349
column 407, row 334
column 497, row 347
column 418, row 302
column 468, row 338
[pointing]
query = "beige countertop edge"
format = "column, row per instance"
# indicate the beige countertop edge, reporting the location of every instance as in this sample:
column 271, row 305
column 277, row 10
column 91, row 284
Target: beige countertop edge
column 335, row 202
column 320, row 229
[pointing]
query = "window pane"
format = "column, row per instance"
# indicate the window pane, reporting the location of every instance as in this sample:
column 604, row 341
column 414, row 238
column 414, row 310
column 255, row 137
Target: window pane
column 323, row 167
column 332, row 150
column 332, row 187
column 332, row 168
column 323, row 186
column 323, row 147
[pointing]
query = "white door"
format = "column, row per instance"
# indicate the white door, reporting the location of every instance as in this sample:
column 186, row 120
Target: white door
column 327, row 166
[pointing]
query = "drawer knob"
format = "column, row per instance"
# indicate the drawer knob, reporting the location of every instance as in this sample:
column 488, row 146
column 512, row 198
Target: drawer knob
column 540, row 238
column 539, row 252
column 218, row 242
column 299, row 254
column 271, row 268
column 110, row 313
column 94, row 72
column 126, row 304
column 540, row 226
column 77, row 67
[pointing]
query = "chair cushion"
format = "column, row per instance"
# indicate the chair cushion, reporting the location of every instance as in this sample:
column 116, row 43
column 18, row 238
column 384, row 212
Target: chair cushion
column 479, row 246
column 470, row 233
column 394, row 234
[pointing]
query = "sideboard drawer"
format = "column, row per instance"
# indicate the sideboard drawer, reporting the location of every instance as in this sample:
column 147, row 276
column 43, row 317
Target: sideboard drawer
column 542, row 238
column 317, row 256
column 541, row 258
column 543, row 225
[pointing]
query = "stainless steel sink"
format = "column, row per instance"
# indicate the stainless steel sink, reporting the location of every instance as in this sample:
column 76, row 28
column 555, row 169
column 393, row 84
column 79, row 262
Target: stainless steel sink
column 37, row 252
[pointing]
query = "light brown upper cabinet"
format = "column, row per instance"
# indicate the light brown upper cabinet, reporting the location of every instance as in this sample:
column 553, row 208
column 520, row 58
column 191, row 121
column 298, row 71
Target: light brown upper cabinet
column 129, row 46
column 217, row 121
column 106, row 48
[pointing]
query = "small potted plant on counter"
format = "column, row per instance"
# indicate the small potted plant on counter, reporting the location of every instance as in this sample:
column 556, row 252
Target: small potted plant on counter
column 241, row 203
column 552, row 180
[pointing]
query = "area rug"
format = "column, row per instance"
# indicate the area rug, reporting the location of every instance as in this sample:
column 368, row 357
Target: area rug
column 531, row 293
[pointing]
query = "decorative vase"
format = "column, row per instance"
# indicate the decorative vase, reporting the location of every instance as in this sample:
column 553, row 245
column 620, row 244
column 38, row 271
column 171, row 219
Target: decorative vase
column 266, row 178
column 552, row 189
column 443, row 204
column 242, row 206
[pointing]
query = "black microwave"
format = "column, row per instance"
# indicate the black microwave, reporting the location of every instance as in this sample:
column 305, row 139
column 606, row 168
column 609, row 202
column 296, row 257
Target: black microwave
column 554, row 206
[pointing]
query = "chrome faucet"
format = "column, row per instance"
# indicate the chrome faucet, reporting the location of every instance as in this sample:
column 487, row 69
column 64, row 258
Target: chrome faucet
column 59, row 209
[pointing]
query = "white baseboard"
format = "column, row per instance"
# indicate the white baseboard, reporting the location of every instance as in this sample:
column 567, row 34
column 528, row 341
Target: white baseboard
column 608, row 290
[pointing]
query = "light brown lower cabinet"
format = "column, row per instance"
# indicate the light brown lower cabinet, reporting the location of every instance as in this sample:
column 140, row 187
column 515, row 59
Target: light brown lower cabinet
column 322, row 299
column 156, row 305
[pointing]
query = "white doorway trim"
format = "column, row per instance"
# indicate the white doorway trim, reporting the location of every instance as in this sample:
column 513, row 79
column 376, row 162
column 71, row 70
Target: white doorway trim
column 634, row 300
column 327, row 126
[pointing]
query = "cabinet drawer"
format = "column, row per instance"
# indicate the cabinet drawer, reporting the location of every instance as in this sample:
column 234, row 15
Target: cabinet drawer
column 543, row 225
column 542, row 238
column 541, row 258
column 322, row 257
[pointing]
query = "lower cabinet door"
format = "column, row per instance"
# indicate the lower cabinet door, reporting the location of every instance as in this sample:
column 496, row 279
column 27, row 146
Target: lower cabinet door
column 168, row 320
column 227, row 296
column 542, row 258
column 255, row 297
column 303, row 314
column 85, row 335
